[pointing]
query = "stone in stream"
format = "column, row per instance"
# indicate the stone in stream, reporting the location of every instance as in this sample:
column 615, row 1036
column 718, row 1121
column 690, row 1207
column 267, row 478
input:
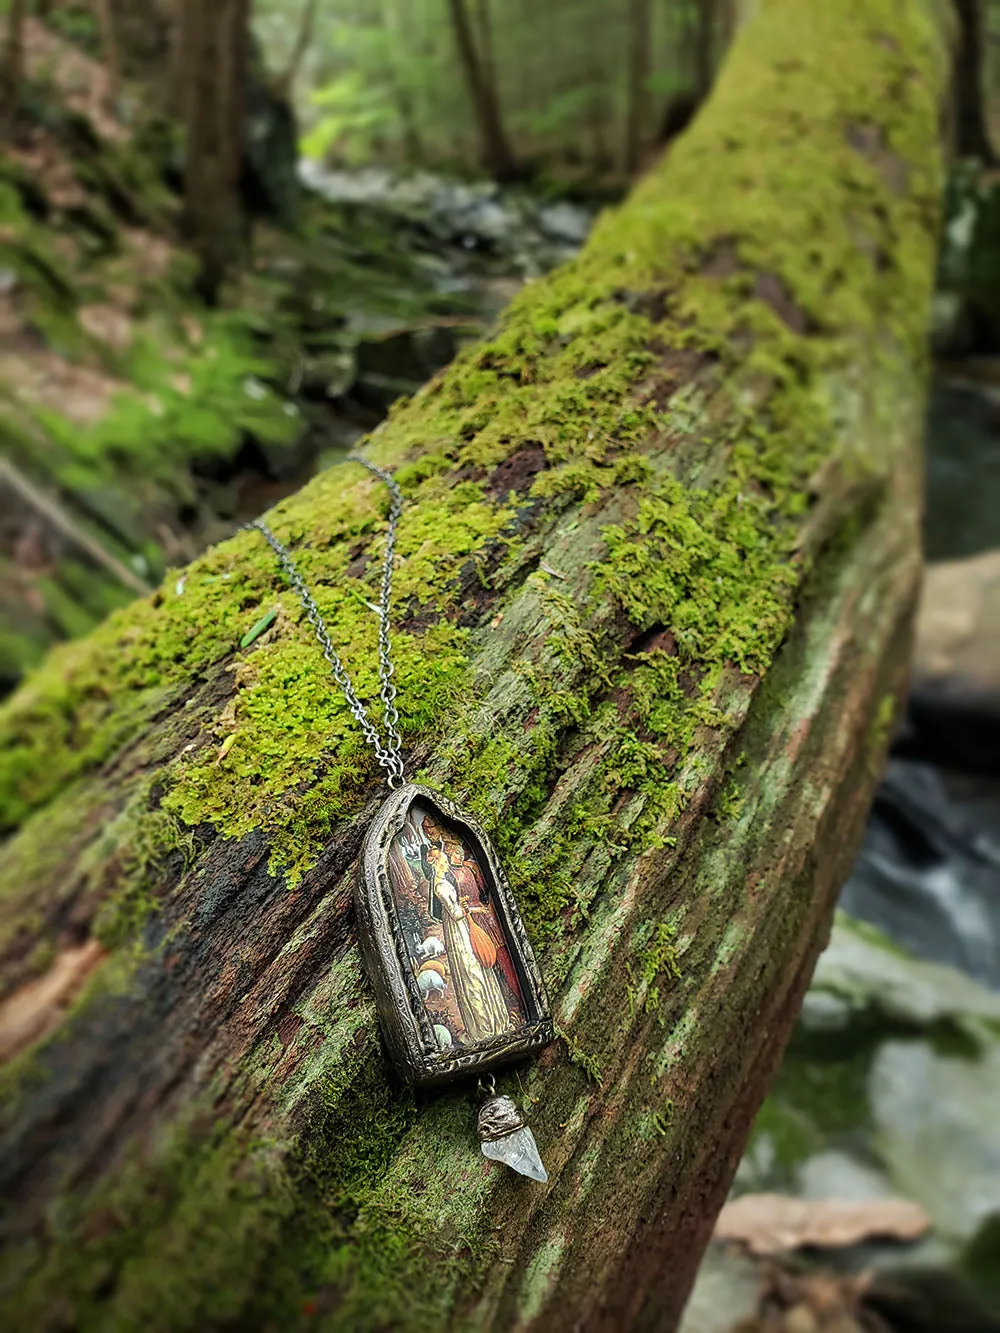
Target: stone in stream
column 955, row 702
column 890, row 1088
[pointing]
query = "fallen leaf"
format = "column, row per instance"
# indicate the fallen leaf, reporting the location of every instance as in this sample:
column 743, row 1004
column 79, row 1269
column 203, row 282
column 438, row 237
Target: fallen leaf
column 774, row 1223
column 255, row 631
column 225, row 747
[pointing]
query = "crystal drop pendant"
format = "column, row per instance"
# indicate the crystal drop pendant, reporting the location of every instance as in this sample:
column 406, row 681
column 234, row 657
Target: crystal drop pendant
column 506, row 1138
column 518, row 1151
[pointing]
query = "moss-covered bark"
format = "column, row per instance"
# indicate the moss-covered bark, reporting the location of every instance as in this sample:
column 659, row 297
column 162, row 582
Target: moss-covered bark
column 655, row 581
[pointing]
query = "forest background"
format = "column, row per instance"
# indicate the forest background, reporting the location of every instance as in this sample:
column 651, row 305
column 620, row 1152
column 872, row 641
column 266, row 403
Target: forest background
column 188, row 330
column 176, row 192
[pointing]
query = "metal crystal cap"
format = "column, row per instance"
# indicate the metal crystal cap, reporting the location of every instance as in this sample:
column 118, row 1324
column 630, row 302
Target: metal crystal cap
column 498, row 1117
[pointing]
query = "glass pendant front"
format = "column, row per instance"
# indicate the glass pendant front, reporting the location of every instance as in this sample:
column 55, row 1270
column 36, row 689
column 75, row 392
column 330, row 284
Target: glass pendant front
column 455, row 980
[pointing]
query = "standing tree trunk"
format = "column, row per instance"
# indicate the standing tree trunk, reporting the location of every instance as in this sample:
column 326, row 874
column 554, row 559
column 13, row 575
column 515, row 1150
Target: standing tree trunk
column 654, row 587
column 213, row 53
column 400, row 56
column 497, row 157
column 303, row 39
column 484, row 21
column 109, row 48
column 639, row 37
column 971, row 135
column 704, row 47
column 13, row 66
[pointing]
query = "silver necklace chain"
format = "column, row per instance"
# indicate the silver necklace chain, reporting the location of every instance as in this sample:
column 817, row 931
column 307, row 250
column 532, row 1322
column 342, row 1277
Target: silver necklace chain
column 389, row 755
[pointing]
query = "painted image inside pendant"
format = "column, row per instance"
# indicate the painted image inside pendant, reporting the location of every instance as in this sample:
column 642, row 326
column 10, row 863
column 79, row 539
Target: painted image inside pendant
column 454, row 937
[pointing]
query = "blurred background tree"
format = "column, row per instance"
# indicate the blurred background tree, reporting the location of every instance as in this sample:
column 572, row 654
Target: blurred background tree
column 577, row 90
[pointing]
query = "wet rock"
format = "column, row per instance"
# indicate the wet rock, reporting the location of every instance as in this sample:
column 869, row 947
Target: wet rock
column 477, row 217
column 928, row 870
column 958, row 625
column 727, row 1291
column 890, row 1088
column 963, row 462
column 937, row 1130
column 861, row 973
column 955, row 702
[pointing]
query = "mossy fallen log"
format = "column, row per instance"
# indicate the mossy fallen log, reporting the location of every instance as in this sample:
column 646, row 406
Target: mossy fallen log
column 654, row 591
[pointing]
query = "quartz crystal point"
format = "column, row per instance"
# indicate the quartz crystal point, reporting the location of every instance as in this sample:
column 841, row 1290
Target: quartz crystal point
column 518, row 1151
column 506, row 1138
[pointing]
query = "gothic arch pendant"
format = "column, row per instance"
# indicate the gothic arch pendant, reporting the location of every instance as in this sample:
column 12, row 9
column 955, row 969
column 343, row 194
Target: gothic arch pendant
column 456, row 984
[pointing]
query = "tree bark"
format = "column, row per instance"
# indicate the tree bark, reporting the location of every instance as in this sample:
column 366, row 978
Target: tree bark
column 497, row 156
column 213, row 46
column 654, row 588
column 401, row 55
column 640, row 14
column 972, row 138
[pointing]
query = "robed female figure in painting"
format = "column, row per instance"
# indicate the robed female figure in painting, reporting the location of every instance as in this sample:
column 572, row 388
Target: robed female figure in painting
column 477, row 988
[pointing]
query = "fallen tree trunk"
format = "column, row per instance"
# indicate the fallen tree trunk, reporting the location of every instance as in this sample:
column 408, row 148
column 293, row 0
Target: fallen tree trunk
column 654, row 592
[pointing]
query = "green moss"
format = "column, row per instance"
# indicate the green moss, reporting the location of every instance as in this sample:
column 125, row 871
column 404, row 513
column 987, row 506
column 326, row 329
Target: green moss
column 730, row 801
column 981, row 1259
column 718, row 565
column 215, row 1224
column 141, row 843
column 183, row 405
column 585, row 1060
column 224, row 1197
column 540, row 1277
column 656, row 954
column 880, row 730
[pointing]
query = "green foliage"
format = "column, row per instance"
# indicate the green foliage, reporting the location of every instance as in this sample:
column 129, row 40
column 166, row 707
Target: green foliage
column 384, row 79
column 562, row 113
column 77, row 21
column 186, row 406
column 353, row 114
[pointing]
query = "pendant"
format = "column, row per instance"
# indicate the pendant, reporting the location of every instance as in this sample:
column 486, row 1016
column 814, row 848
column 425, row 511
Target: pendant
column 457, row 987
column 504, row 1135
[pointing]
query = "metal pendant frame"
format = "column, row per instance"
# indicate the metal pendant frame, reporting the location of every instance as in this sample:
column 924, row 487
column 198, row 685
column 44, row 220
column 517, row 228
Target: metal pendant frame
column 405, row 1022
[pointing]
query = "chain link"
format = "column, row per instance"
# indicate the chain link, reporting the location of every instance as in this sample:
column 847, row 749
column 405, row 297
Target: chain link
column 389, row 755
